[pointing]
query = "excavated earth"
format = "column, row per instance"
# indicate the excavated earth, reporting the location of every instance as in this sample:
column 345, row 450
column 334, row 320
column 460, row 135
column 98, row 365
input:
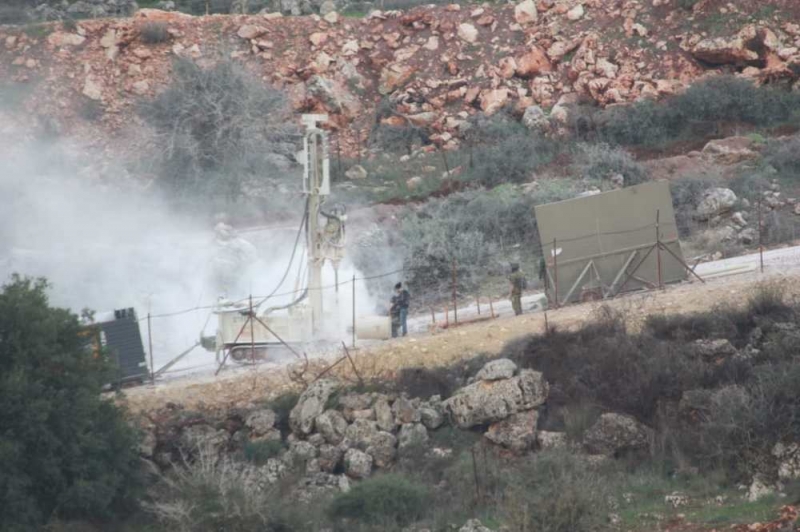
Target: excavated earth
column 438, row 65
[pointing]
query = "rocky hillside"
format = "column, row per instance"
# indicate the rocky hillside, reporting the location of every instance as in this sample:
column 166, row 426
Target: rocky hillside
column 436, row 65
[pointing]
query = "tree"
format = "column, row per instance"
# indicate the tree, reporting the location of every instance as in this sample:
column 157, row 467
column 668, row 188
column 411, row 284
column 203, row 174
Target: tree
column 64, row 451
column 217, row 129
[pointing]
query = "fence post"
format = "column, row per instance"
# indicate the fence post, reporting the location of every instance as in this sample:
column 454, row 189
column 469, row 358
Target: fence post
column 354, row 311
column 478, row 303
column 658, row 249
column 252, row 334
column 455, row 284
column 150, row 345
column 760, row 230
column 555, row 273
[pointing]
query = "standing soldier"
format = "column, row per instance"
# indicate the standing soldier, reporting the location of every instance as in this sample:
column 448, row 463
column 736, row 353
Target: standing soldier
column 517, row 283
column 399, row 310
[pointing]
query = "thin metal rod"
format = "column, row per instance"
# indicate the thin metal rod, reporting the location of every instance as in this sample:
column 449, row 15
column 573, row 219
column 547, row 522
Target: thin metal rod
column 455, row 300
column 228, row 352
column 491, row 307
column 658, row 249
column 252, row 335
column 636, row 269
column 446, row 165
column 577, row 281
column 621, row 272
column 273, row 333
column 760, row 230
column 683, row 263
column 478, row 303
column 555, row 272
column 354, row 311
column 175, row 360
column 353, row 365
column 150, row 345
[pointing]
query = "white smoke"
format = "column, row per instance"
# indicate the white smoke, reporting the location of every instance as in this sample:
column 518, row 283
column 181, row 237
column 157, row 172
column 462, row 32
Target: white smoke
column 111, row 245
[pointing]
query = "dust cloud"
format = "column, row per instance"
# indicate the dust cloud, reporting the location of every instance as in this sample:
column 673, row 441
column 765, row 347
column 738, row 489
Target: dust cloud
column 108, row 244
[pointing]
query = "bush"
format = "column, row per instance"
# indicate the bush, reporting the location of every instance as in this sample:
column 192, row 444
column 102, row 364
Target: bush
column 687, row 193
column 784, row 156
column 259, row 452
column 154, row 33
column 504, row 151
column 557, row 492
column 64, row 451
column 217, row 130
column 698, row 112
column 387, row 500
column 216, row 494
column 398, row 139
column 602, row 162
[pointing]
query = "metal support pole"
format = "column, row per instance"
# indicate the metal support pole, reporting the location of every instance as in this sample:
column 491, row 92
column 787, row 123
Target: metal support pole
column 455, row 302
column 150, row 345
column 252, row 334
column 491, row 307
column 354, row 311
column 446, row 316
column 446, row 166
column 478, row 304
column 658, row 249
column 555, row 273
column 760, row 230
column 433, row 316
column 353, row 365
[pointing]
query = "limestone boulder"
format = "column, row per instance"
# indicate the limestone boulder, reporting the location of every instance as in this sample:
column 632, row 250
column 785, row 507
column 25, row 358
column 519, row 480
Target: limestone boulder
column 732, row 150
column 535, row 119
column 383, row 415
column 499, row 369
column 526, row 13
column 382, row 449
column 532, row 63
column 260, row 422
column 361, row 432
column 613, row 434
column 724, row 51
column 310, row 405
column 356, row 173
column 357, row 464
column 552, row 440
column 517, row 432
column 250, row 31
column 405, row 411
column 492, row 100
column 467, row 33
column 332, row 425
column 486, row 402
column 330, row 456
column 413, row 435
column 716, row 201
column 394, row 77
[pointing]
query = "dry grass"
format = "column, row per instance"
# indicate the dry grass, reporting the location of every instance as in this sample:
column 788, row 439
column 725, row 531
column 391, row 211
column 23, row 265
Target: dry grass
column 384, row 360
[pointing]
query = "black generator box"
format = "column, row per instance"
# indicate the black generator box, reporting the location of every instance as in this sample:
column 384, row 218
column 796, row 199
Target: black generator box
column 121, row 339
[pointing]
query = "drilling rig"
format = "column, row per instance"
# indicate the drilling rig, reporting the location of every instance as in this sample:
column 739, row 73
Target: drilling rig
column 245, row 331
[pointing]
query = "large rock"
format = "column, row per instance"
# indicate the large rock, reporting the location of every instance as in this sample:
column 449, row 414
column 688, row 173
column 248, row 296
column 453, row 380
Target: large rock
column 382, row 449
column 502, row 368
column 613, row 434
column 357, row 464
column 203, row 439
column 260, row 422
column 250, row 31
column 60, row 39
column 533, row 63
column 394, row 76
column 361, row 432
column 487, row 402
column 492, row 100
column 732, row 150
column 552, row 440
column 525, row 12
column 319, row 484
column 712, row 350
column 92, row 89
column 474, row 525
column 356, row 173
column 413, row 435
column 310, row 405
column 517, row 432
column 332, row 425
column 724, row 51
column 330, row 456
column 383, row 415
column 788, row 457
column 404, row 411
column 716, row 201
column 467, row 32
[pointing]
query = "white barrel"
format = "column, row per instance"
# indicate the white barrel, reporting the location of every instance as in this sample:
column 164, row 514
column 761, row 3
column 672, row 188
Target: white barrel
column 373, row 327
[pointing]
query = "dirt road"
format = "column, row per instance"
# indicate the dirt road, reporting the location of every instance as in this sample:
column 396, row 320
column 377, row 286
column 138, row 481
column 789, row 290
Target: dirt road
column 439, row 347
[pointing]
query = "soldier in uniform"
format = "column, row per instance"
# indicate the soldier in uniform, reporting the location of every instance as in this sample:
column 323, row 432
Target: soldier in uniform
column 517, row 283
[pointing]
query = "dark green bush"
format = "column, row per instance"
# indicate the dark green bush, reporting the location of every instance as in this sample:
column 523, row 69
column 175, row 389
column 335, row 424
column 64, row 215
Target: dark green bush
column 699, row 112
column 398, row 139
column 784, row 156
column 154, row 33
column 602, row 162
column 386, row 500
column 64, row 451
column 687, row 193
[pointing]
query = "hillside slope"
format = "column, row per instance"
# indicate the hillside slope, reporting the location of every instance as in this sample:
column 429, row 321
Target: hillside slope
column 437, row 65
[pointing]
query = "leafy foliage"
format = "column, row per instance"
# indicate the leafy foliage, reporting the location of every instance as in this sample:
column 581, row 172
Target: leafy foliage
column 698, row 112
column 154, row 33
column 385, row 499
column 603, row 162
column 64, row 451
column 216, row 129
column 259, row 452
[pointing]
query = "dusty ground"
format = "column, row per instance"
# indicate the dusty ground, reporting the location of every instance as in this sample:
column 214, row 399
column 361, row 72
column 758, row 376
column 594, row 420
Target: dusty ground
column 244, row 385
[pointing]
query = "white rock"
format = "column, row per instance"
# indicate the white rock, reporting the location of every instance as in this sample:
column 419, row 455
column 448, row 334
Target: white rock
column 576, row 13
column 92, row 89
column 467, row 33
column 502, row 368
column 526, row 13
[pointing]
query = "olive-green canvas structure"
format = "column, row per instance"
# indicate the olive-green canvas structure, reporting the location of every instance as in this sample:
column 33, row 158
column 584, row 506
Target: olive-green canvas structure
column 606, row 243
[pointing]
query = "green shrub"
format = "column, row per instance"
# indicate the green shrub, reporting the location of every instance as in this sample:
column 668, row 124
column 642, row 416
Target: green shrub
column 602, row 162
column 386, row 500
column 259, row 452
column 557, row 492
column 784, row 156
column 699, row 112
column 398, row 139
column 687, row 193
column 154, row 33
column 64, row 451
